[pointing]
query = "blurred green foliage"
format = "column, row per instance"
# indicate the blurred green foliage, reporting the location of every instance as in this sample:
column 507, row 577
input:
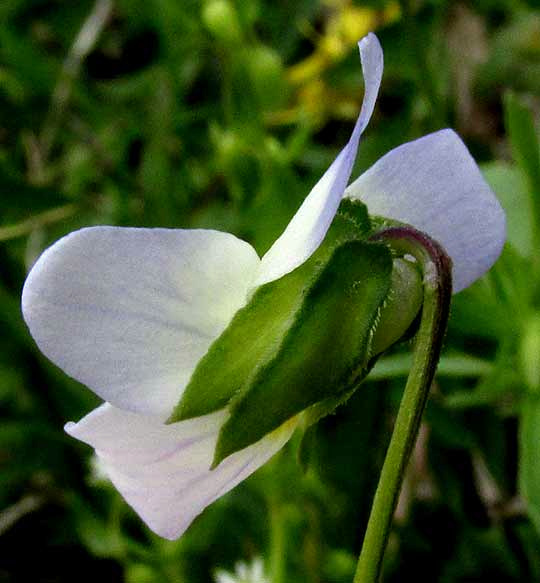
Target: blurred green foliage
column 223, row 114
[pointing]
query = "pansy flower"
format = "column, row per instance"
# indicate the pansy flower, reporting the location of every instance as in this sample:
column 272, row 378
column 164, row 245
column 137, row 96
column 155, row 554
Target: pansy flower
column 131, row 312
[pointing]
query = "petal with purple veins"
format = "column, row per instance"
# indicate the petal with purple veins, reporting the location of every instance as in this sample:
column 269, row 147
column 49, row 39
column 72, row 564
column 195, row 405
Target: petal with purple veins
column 163, row 471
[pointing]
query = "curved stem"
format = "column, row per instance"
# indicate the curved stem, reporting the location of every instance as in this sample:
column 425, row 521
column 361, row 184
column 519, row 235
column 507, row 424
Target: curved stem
column 436, row 267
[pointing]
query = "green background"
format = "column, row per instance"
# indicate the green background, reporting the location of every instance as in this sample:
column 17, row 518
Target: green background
column 223, row 114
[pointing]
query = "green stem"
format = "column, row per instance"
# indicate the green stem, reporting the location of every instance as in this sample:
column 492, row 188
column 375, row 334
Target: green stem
column 35, row 222
column 436, row 269
column 84, row 43
column 277, row 541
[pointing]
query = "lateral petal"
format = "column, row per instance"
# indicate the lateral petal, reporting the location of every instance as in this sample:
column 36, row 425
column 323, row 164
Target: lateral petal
column 434, row 185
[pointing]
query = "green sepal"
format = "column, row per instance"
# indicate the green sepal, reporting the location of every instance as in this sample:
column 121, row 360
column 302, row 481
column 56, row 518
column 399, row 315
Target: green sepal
column 399, row 310
column 401, row 307
column 257, row 331
column 325, row 351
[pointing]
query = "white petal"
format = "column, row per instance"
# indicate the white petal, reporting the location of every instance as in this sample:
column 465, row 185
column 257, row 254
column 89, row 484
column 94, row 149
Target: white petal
column 129, row 312
column 163, row 470
column 308, row 227
column 435, row 185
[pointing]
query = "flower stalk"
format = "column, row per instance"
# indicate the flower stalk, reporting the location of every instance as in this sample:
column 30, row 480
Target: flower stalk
column 437, row 284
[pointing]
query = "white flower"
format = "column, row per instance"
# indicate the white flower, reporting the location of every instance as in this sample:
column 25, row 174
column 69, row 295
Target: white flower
column 243, row 573
column 130, row 312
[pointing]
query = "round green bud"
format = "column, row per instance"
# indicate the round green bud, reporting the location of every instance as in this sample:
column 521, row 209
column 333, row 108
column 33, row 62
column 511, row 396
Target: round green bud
column 221, row 20
column 266, row 76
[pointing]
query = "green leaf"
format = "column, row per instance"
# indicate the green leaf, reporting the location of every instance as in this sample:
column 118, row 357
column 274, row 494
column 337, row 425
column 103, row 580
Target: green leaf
column 324, row 353
column 525, row 147
column 528, row 353
column 529, row 454
column 523, row 138
column 450, row 365
column 511, row 189
column 498, row 381
column 255, row 335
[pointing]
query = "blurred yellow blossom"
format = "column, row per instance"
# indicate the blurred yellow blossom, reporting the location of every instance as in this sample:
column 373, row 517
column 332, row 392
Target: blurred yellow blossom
column 346, row 23
column 313, row 99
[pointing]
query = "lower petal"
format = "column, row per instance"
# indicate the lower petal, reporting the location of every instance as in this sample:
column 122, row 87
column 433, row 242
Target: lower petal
column 162, row 471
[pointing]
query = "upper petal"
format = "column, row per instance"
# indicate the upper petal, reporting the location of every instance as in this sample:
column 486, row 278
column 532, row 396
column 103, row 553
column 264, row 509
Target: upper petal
column 308, row 227
column 163, row 470
column 129, row 312
column 434, row 185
